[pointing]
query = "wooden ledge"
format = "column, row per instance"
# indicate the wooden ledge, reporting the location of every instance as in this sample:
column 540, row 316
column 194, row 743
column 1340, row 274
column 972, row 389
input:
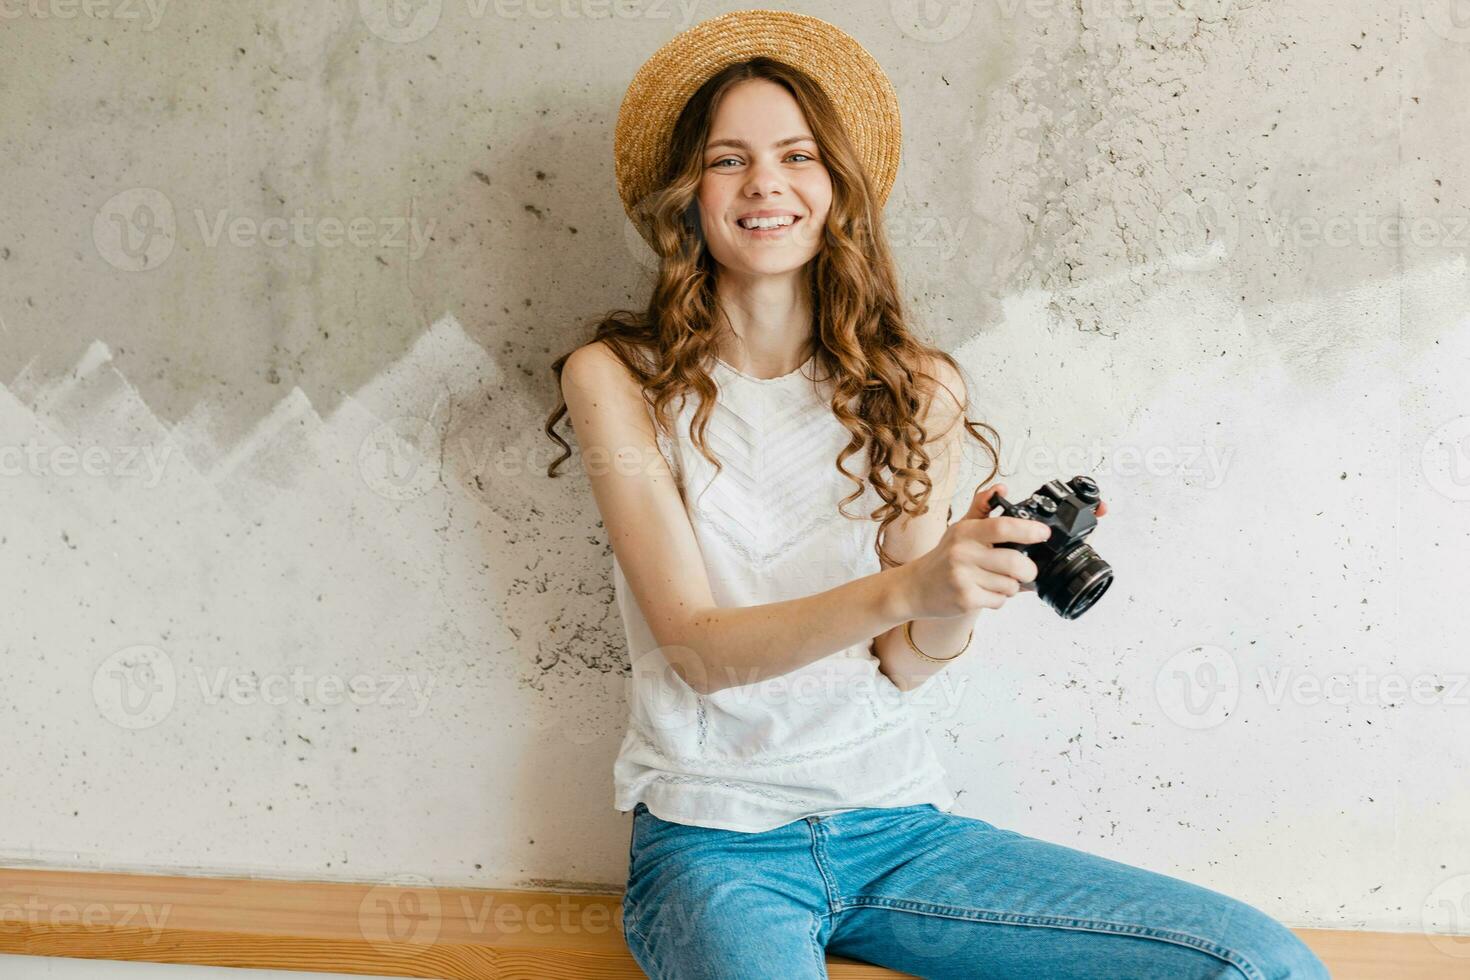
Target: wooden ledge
column 406, row 927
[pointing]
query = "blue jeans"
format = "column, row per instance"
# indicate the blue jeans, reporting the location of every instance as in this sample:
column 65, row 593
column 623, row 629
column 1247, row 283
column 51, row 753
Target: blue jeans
column 930, row 893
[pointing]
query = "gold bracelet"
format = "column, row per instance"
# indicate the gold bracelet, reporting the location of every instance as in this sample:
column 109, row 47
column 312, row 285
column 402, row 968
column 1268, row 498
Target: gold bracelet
column 938, row 660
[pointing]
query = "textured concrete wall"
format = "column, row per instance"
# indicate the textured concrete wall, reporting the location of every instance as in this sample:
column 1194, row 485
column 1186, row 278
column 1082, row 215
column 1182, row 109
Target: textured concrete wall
column 288, row 591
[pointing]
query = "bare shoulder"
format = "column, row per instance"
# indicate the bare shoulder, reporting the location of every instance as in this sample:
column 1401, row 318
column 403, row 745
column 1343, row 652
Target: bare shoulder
column 640, row 505
column 606, row 404
column 595, row 368
column 946, row 400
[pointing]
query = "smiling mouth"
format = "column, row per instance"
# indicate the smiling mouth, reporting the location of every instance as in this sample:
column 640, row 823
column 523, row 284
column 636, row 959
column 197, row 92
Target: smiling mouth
column 770, row 232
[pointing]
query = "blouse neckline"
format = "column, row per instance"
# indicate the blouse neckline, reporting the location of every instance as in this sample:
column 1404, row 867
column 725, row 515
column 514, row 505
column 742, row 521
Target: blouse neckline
column 798, row 372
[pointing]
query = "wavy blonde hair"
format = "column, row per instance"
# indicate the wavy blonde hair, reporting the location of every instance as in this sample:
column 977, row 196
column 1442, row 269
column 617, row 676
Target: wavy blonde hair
column 860, row 337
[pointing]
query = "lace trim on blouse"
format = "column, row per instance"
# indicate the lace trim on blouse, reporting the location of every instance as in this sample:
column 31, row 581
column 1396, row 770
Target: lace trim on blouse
column 892, row 724
column 796, row 802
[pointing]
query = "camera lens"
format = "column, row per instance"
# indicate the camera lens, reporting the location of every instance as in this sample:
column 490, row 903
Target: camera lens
column 1075, row 581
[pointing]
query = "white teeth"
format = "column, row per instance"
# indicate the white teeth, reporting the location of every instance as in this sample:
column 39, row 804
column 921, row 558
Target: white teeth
column 778, row 222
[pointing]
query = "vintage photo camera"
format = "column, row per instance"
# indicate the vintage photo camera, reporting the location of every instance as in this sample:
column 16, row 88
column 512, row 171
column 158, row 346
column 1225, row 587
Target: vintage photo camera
column 1070, row 577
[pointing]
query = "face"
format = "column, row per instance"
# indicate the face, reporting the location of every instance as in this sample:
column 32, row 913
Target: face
column 760, row 158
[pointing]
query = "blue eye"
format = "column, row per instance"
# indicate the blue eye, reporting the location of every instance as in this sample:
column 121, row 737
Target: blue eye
column 798, row 153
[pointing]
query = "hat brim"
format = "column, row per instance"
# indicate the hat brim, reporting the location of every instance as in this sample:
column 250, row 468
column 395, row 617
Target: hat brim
column 852, row 79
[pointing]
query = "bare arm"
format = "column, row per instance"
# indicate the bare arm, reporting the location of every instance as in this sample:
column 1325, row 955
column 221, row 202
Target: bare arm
column 711, row 647
column 909, row 537
column 954, row 567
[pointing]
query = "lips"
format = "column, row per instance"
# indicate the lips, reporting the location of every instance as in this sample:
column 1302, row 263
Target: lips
column 768, row 232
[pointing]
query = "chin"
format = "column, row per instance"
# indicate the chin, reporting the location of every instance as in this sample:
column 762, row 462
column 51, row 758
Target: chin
column 775, row 263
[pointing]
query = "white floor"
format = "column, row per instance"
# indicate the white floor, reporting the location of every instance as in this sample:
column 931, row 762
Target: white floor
column 60, row 968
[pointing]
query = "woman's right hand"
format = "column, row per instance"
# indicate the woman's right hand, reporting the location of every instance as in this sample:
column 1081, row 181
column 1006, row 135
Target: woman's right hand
column 965, row 572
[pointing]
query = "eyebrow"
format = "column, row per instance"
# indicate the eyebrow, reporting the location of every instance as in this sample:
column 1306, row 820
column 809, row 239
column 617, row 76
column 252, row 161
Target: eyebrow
column 742, row 145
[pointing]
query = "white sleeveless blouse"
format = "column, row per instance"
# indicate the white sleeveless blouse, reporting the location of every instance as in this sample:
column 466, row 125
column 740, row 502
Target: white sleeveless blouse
column 834, row 735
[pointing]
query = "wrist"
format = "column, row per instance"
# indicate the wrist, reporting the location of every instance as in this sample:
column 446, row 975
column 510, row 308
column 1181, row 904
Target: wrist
column 898, row 596
column 953, row 647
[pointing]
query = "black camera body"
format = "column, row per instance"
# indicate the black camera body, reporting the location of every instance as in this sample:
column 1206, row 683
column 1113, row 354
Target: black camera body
column 1070, row 576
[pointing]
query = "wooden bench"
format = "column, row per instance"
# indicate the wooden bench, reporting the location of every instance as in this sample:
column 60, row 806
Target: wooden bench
column 405, row 927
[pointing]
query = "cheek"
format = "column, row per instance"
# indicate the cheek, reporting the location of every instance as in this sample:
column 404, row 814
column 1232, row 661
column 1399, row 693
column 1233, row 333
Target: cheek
column 712, row 197
column 819, row 193
column 709, row 219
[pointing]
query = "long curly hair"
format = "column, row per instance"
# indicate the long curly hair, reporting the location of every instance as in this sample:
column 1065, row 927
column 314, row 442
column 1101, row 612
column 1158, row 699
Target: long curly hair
column 860, row 338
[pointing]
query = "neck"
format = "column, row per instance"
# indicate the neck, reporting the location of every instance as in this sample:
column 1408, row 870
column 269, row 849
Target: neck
column 769, row 321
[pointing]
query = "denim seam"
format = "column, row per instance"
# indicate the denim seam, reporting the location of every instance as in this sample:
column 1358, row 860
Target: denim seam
column 818, row 855
column 628, row 930
column 817, row 951
column 1060, row 922
column 630, row 911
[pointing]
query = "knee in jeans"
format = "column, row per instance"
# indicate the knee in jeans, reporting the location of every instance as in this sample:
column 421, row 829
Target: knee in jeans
column 1288, row 958
column 1264, row 948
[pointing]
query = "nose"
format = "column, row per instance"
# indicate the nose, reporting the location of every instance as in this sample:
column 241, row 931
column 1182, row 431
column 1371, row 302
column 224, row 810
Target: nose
column 763, row 178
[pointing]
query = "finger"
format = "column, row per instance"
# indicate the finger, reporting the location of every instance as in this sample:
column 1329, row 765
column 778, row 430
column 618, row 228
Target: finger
column 992, row 600
column 1102, row 508
column 982, row 503
column 1016, row 530
column 998, row 582
column 1010, row 563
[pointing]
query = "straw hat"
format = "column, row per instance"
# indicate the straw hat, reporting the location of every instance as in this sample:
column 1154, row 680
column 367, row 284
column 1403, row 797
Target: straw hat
column 847, row 73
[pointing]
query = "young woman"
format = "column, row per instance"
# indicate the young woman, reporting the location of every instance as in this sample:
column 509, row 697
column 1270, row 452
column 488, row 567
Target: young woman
column 785, row 575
